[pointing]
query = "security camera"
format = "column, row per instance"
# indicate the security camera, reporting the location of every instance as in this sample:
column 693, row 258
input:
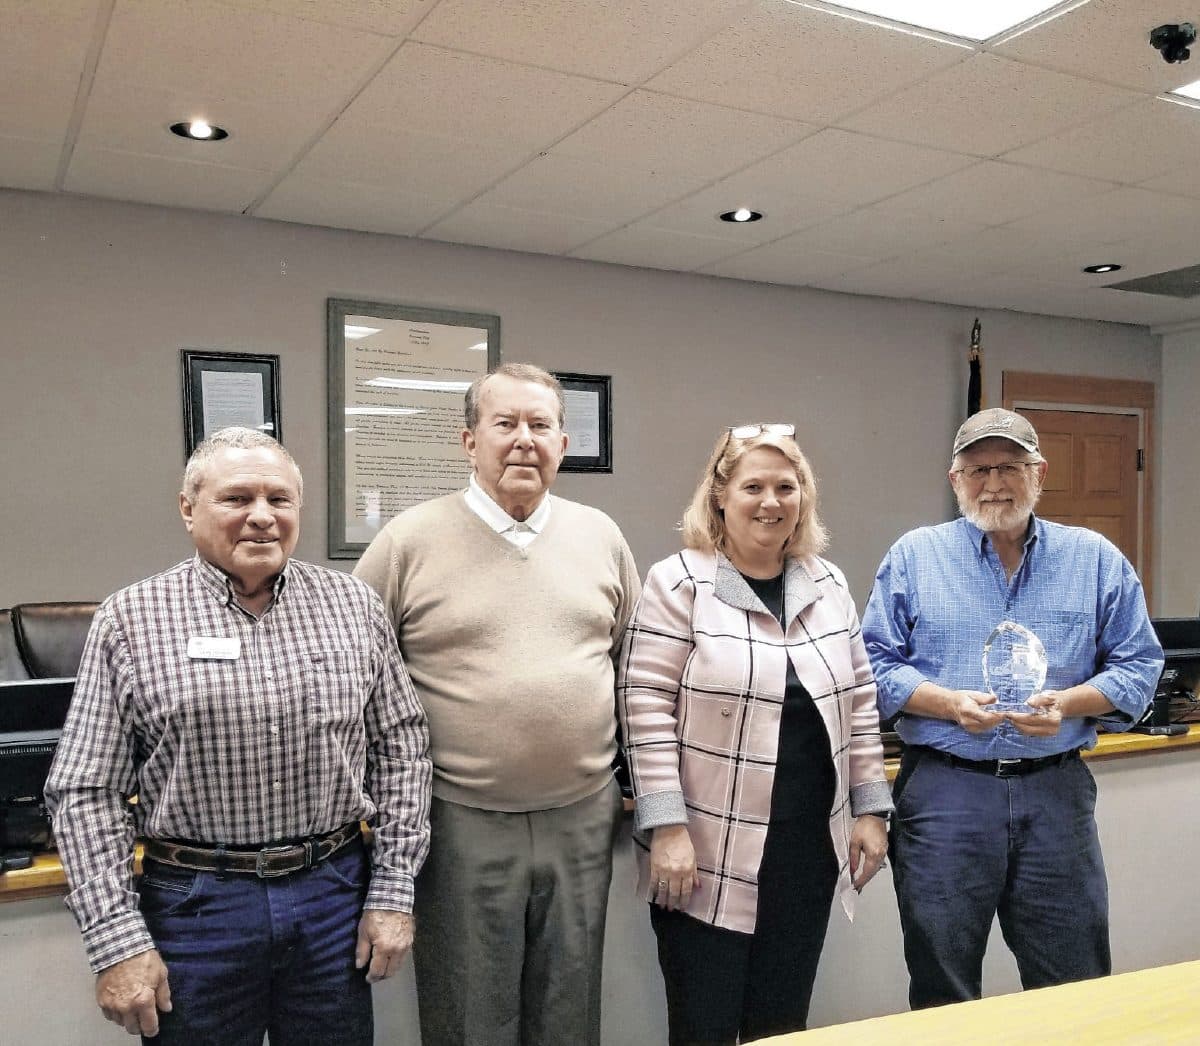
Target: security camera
column 1173, row 41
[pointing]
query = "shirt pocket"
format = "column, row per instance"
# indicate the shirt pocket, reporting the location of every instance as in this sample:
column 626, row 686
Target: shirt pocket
column 334, row 688
column 1070, row 645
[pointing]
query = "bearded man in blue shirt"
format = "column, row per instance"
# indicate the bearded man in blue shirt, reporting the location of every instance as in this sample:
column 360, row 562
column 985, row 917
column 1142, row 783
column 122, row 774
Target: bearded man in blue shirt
column 995, row 810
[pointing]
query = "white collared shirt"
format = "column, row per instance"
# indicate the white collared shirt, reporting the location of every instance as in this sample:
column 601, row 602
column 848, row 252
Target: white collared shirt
column 519, row 534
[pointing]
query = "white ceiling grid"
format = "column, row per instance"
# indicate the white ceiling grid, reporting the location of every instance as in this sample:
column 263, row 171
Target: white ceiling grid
column 885, row 162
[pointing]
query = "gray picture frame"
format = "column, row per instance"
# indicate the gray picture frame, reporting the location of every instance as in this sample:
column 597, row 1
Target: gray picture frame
column 348, row 536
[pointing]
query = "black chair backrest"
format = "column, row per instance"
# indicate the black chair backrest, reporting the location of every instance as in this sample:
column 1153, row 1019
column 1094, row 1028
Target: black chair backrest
column 50, row 636
column 12, row 668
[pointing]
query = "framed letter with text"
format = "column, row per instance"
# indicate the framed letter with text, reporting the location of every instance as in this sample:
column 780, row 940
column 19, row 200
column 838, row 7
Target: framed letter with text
column 589, row 422
column 228, row 388
column 397, row 377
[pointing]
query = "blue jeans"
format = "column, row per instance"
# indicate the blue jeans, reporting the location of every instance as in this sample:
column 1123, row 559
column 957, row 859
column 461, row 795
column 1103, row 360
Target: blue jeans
column 968, row 846
column 247, row 957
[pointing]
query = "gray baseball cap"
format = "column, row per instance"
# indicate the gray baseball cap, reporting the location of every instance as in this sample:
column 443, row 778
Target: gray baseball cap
column 996, row 422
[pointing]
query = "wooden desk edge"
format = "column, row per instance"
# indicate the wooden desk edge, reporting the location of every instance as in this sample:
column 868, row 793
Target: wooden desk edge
column 45, row 878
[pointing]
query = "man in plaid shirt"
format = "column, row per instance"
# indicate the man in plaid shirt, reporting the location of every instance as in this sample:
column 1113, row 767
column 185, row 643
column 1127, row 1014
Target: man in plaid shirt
column 259, row 709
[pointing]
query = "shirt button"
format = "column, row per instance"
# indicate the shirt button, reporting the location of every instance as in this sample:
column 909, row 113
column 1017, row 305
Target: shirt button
column 725, row 711
column 274, row 730
column 277, row 785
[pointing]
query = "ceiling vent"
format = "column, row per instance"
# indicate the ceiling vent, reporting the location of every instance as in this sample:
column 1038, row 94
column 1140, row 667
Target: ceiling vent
column 1178, row 283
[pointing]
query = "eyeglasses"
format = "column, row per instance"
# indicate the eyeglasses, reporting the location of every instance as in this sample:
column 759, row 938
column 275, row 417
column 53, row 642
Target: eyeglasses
column 773, row 428
column 1007, row 470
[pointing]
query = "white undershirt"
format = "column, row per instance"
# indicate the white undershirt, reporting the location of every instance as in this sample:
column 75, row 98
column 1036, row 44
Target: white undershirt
column 519, row 534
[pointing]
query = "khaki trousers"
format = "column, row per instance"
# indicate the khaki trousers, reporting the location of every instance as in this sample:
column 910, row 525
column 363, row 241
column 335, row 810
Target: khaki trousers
column 510, row 923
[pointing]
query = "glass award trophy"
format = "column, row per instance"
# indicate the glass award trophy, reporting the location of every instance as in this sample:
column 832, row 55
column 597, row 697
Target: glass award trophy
column 1014, row 667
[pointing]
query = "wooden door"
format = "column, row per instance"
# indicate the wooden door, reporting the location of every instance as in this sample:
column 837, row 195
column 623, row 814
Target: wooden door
column 1092, row 480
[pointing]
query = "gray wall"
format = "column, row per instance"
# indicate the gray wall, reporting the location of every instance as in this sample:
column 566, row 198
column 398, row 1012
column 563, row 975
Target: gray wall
column 97, row 299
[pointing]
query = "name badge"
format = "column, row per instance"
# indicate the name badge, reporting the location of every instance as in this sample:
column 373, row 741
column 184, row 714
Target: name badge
column 214, row 648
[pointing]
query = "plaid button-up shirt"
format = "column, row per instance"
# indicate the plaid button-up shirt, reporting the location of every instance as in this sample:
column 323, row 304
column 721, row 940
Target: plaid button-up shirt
column 312, row 725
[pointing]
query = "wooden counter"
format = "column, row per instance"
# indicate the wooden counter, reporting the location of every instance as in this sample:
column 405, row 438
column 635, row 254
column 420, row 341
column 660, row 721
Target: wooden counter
column 46, row 876
column 1159, row 1006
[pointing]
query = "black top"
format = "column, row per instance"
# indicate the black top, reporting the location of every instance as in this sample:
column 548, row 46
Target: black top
column 804, row 775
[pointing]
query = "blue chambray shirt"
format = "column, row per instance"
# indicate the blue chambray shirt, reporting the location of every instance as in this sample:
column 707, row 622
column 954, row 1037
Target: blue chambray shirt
column 941, row 590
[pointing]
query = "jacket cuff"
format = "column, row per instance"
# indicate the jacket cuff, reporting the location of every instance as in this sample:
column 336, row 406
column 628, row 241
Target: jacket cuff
column 874, row 797
column 659, row 808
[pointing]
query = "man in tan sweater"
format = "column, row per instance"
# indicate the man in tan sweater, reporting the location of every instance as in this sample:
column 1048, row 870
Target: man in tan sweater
column 509, row 605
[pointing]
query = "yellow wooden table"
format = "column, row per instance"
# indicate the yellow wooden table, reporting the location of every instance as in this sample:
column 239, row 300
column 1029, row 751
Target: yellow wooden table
column 1155, row 1007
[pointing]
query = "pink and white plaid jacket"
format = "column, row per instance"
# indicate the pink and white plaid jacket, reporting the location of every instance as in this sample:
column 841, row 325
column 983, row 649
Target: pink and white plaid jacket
column 700, row 691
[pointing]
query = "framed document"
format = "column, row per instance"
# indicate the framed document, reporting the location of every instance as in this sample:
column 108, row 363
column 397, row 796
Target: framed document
column 589, row 422
column 228, row 388
column 397, row 377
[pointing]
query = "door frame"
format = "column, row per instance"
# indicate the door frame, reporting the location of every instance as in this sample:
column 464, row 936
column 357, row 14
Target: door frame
column 1087, row 394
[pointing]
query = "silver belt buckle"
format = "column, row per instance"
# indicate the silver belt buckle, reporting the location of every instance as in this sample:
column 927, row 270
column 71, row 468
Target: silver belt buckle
column 260, row 862
column 1003, row 765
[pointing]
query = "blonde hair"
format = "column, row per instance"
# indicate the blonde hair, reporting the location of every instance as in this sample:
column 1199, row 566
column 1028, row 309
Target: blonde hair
column 703, row 520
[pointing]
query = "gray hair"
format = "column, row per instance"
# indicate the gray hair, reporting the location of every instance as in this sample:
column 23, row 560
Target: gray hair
column 520, row 372
column 235, row 437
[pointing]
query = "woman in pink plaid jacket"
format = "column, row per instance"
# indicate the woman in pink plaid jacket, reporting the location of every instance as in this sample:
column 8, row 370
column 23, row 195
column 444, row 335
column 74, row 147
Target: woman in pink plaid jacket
column 752, row 737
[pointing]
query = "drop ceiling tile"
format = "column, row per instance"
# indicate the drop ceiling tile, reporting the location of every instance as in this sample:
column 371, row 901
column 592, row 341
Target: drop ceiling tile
column 1131, row 145
column 992, row 193
column 154, row 179
column 1183, row 181
column 620, row 40
column 1121, row 214
column 129, row 118
column 587, row 188
column 783, row 212
column 515, row 229
column 345, row 205
column 1107, row 40
column 874, row 234
column 986, row 106
column 212, row 51
column 646, row 246
column 802, row 64
column 992, row 250
column 442, row 92
column 848, row 168
column 789, row 260
column 386, row 17
column 654, row 132
column 28, row 164
column 431, row 165
column 42, row 49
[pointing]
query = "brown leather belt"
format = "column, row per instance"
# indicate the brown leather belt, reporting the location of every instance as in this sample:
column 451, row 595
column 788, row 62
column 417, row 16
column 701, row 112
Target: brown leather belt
column 267, row 862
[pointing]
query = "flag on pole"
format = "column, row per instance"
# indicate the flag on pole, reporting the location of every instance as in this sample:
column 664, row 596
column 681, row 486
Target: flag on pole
column 975, row 382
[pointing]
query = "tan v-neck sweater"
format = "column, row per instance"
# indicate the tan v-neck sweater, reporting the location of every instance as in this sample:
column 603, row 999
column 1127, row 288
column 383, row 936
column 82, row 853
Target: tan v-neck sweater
column 511, row 650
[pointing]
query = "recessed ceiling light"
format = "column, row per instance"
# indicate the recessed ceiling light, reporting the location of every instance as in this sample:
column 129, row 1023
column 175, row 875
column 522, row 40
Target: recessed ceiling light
column 970, row 21
column 742, row 214
column 1106, row 267
column 199, row 131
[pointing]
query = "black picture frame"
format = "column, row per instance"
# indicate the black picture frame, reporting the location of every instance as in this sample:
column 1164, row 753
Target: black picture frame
column 240, row 403
column 589, row 450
